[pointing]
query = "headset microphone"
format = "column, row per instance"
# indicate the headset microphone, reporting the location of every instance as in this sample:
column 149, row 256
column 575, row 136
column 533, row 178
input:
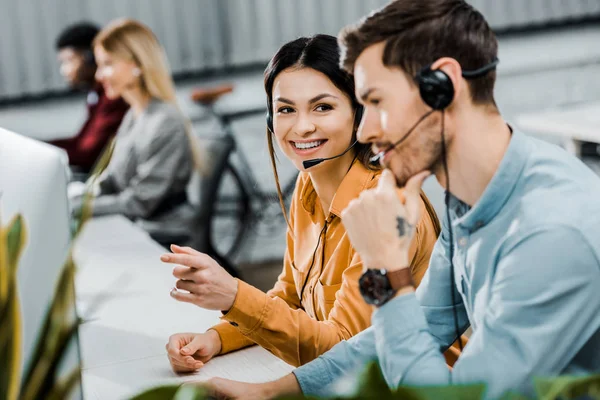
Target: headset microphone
column 378, row 158
column 316, row 161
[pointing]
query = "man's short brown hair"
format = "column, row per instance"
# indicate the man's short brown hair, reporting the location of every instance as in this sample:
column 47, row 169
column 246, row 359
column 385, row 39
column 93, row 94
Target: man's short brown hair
column 418, row 32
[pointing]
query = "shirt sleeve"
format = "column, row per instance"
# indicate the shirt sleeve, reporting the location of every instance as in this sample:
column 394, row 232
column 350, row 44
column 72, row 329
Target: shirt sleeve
column 531, row 326
column 155, row 174
column 285, row 288
column 85, row 148
column 277, row 322
column 346, row 358
column 231, row 337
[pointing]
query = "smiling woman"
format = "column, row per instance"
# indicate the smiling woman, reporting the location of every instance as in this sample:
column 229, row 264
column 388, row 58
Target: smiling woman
column 315, row 302
column 298, row 114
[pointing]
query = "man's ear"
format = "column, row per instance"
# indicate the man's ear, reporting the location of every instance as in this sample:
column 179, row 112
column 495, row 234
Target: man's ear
column 453, row 69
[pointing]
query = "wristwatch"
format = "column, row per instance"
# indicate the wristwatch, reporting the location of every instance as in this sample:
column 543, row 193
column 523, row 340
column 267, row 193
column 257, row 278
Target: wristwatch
column 378, row 286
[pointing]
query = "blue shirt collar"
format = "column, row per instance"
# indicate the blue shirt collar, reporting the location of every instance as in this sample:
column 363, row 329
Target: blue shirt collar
column 499, row 189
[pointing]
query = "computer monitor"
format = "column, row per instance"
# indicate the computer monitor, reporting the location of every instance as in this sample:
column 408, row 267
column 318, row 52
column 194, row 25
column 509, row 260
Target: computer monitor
column 33, row 182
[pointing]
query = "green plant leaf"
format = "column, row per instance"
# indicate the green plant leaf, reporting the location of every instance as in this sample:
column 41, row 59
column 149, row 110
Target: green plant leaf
column 158, row 393
column 12, row 243
column 513, row 396
column 446, row 392
column 65, row 387
column 372, row 384
column 190, row 392
column 568, row 387
column 88, row 198
column 56, row 332
column 15, row 239
column 302, row 397
column 10, row 346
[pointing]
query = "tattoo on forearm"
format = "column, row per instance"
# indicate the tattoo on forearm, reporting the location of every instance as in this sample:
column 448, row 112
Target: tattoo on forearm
column 403, row 226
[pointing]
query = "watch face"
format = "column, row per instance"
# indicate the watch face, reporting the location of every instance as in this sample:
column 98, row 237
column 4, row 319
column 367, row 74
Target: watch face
column 375, row 287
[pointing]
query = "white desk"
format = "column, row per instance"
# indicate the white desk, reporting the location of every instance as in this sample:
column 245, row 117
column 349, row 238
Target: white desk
column 124, row 336
column 571, row 124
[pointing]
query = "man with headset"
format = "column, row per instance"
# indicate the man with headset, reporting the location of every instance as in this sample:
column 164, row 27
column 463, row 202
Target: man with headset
column 77, row 66
column 520, row 227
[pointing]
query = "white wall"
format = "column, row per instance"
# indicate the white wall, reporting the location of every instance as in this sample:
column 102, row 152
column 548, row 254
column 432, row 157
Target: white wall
column 206, row 34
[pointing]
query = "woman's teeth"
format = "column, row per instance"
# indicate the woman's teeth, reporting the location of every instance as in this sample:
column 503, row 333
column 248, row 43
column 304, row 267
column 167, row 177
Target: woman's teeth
column 308, row 145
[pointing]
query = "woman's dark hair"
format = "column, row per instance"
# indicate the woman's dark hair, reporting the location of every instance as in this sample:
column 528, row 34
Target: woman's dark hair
column 321, row 53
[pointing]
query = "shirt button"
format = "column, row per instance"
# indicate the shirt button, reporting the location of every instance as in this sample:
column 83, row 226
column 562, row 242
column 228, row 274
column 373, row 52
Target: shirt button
column 462, row 241
column 233, row 323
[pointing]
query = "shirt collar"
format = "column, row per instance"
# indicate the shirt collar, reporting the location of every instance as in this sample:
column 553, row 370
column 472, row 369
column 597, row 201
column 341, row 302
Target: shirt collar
column 356, row 180
column 499, row 189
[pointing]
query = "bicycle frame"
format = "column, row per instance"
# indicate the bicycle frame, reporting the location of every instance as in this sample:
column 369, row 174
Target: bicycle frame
column 251, row 184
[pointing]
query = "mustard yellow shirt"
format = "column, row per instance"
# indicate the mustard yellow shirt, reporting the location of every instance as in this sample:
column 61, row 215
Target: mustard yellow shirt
column 331, row 309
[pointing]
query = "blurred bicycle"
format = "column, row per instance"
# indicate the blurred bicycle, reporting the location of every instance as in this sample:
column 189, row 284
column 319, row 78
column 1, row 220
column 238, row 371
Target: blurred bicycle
column 242, row 208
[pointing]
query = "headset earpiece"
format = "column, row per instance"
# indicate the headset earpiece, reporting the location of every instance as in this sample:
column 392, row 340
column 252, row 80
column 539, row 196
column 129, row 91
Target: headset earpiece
column 269, row 118
column 435, row 87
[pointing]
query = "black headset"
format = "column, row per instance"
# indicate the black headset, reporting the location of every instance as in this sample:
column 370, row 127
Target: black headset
column 436, row 88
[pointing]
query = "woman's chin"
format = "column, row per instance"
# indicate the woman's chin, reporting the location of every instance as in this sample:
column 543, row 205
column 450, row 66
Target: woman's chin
column 111, row 93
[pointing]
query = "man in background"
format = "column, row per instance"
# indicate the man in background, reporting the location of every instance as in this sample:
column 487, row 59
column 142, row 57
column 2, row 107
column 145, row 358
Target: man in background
column 77, row 66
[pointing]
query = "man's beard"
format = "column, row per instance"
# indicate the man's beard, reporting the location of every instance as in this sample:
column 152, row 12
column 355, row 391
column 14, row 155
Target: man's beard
column 427, row 158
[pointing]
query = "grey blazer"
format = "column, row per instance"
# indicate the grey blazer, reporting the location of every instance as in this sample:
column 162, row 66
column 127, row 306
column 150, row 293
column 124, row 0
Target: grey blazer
column 149, row 171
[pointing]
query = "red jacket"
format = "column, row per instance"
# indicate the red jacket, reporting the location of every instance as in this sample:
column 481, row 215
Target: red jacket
column 104, row 118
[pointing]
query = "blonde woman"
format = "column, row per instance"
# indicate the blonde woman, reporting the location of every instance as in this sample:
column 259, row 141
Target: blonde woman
column 154, row 153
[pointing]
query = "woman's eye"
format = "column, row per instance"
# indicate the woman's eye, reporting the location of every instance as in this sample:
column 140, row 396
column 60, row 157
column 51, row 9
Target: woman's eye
column 374, row 102
column 323, row 107
column 285, row 110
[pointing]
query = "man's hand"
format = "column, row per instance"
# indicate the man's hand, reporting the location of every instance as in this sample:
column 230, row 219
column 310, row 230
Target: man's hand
column 381, row 226
column 188, row 352
column 226, row 389
column 202, row 281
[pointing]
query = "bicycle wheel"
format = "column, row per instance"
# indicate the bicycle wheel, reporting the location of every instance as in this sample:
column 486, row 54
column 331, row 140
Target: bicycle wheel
column 231, row 215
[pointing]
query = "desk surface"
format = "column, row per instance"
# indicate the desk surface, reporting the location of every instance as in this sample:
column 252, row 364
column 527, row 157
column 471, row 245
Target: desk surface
column 123, row 297
column 579, row 122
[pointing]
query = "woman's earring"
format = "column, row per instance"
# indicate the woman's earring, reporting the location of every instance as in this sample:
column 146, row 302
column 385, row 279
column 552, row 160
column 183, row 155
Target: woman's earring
column 136, row 72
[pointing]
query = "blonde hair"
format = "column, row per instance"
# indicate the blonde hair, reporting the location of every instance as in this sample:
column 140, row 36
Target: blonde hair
column 129, row 39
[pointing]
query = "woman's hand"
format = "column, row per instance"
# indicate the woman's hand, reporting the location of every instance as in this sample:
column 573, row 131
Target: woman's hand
column 188, row 352
column 201, row 280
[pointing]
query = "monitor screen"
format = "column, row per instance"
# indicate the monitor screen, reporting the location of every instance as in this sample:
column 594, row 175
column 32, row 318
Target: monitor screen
column 33, row 183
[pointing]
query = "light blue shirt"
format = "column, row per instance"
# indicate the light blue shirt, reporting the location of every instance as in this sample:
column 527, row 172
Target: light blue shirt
column 527, row 274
